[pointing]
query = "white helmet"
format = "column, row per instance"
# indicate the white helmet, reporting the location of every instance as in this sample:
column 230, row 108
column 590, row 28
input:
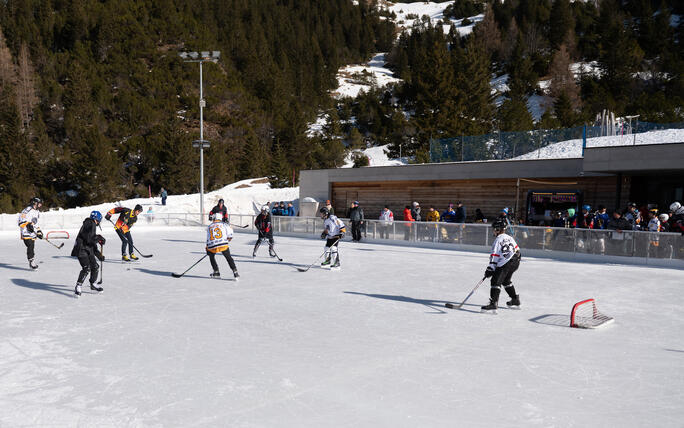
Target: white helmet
column 216, row 217
column 664, row 217
column 264, row 208
column 675, row 207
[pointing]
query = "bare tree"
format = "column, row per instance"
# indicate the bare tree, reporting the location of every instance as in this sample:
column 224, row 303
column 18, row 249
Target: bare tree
column 488, row 31
column 26, row 90
column 562, row 78
column 8, row 74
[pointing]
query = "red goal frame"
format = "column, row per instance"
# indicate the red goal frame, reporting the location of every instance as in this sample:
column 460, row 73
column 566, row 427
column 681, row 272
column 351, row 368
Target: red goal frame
column 583, row 320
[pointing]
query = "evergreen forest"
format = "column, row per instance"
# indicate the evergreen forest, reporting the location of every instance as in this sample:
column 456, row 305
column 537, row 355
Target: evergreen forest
column 96, row 105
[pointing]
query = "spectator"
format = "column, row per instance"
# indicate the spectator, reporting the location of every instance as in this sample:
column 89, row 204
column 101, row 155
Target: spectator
column 449, row 216
column 283, row 209
column 386, row 220
column 149, row 215
column 585, row 220
column 328, row 205
column 503, row 216
column 571, row 218
column 460, row 213
column 664, row 225
column 653, row 221
column 219, row 208
column 618, row 222
column 676, row 221
column 290, row 210
column 409, row 218
column 432, row 215
column 558, row 220
column 601, row 218
column 479, row 217
column 164, row 194
column 415, row 212
column 275, row 211
column 633, row 216
column 356, row 218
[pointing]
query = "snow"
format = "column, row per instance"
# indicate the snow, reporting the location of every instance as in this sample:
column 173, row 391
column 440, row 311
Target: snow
column 435, row 11
column 377, row 157
column 573, row 148
column 359, row 347
column 244, row 197
column 353, row 79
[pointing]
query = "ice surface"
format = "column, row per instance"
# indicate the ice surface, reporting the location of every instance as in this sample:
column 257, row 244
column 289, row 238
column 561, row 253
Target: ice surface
column 370, row 345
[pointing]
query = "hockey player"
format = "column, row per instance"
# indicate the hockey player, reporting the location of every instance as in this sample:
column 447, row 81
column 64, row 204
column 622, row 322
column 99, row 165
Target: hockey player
column 29, row 230
column 503, row 262
column 219, row 234
column 86, row 250
column 127, row 218
column 263, row 225
column 333, row 232
column 221, row 209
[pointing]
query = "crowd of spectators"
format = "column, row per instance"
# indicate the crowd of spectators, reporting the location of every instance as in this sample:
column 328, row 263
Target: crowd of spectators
column 283, row 209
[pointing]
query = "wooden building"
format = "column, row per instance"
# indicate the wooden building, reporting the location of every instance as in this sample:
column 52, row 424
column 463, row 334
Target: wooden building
column 610, row 176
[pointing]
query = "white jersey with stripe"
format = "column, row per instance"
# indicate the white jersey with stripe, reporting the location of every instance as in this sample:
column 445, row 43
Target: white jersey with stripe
column 28, row 215
column 654, row 225
column 503, row 250
column 218, row 234
column 333, row 226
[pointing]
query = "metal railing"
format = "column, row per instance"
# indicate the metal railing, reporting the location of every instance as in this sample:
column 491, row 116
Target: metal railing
column 650, row 245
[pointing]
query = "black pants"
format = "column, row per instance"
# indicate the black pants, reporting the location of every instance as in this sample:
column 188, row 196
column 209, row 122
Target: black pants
column 356, row 230
column 88, row 264
column 264, row 236
column 503, row 275
column 126, row 241
column 30, row 244
column 226, row 254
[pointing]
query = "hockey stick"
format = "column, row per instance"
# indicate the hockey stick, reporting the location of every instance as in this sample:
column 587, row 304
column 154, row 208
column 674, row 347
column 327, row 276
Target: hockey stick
column 453, row 306
column 59, row 247
column 178, row 275
column 318, row 258
column 134, row 247
column 101, row 265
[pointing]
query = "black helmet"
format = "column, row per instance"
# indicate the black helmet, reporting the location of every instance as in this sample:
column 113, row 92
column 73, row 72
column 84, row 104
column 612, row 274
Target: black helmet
column 325, row 212
column 36, row 200
column 499, row 225
column 138, row 207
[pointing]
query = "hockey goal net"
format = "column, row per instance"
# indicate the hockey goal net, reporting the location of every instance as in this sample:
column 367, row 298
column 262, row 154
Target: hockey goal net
column 57, row 234
column 585, row 314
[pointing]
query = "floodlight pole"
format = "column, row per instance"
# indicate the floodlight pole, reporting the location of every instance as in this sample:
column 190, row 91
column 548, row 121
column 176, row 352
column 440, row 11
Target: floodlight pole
column 201, row 57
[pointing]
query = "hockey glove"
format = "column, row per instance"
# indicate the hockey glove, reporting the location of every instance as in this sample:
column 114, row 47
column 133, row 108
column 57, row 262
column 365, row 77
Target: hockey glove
column 100, row 239
column 39, row 234
column 99, row 256
column 489, row 272
column 108, row 216
column 29, row 227
column 324, row 234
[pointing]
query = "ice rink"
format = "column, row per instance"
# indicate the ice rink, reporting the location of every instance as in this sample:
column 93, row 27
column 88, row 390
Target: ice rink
column 370, row 345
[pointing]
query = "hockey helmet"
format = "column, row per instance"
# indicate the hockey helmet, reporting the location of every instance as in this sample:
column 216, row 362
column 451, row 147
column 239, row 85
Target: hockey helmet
column 654, row 211
column 325, row 212
column 138, row 207
column 36, row 201
column 586, row 207
column 675, row 206
column 215, row 216
column 663, row 217
column 499, row 226
column 96, row 215
column 264, row 209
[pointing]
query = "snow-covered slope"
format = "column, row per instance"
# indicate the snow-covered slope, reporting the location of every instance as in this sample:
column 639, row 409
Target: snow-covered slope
column 409, row 14
column 242, row 197
column 377, row 157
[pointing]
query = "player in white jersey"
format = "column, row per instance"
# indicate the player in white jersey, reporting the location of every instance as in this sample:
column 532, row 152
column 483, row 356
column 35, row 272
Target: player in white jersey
column 219, row 234
column 503, row 262
column 29, row 230
column 333, row 232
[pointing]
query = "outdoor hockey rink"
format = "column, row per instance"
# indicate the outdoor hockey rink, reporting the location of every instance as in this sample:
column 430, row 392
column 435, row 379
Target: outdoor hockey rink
column 370, row 345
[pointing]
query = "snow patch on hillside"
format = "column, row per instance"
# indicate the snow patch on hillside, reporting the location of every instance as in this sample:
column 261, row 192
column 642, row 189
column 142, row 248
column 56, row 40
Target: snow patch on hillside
column 377, row 157
column 409, row 14
column 353, row 79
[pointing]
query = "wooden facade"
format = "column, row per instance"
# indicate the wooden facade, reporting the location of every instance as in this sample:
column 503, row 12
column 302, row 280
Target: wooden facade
column 490, row 195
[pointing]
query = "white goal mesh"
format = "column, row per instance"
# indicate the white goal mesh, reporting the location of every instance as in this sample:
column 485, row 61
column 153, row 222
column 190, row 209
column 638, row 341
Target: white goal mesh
column 585, row 315
column 57, row 234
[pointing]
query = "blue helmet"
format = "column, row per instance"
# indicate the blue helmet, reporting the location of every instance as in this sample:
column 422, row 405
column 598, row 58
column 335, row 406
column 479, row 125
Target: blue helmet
column 95, row 215
column 586, row 207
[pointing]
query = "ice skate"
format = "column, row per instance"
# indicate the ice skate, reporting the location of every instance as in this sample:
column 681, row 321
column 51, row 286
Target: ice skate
column 215, row 274
column 336, row 265
column 77, row 290
column 490, row 308
column 134, row 257
column 125, row 258
column 236, row 275
column 32, row 264
column 96, row 288
column 514, row 303
column 326, row 262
